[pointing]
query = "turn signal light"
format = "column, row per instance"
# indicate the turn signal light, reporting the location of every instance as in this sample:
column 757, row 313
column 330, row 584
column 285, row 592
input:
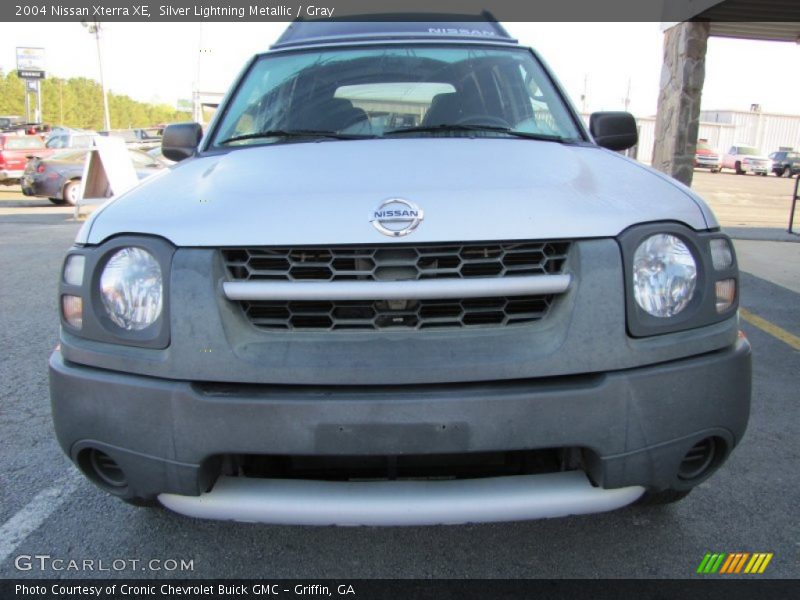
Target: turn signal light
column 72, row 309
column 726, row 294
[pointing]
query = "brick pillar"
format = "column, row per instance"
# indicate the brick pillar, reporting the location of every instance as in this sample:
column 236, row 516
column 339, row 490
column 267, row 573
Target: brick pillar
column 678, row 118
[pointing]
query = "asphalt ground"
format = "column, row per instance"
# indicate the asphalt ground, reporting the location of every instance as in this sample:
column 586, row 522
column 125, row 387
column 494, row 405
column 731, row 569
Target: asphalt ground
column 46, row 508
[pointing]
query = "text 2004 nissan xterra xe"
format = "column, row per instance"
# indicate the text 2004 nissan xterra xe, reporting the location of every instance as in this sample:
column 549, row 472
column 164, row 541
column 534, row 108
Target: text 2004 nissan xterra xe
column 397, row 281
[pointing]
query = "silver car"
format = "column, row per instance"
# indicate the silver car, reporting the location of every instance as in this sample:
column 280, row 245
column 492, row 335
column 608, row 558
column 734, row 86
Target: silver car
column 397, row 281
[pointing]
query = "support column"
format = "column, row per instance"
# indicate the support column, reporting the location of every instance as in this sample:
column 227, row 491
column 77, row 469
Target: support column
column 678, row 117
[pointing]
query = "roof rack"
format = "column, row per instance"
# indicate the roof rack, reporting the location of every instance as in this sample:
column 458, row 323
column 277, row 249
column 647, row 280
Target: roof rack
column 393, row 26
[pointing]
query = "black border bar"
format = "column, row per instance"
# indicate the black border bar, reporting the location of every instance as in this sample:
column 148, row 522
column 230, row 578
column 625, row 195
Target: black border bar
column 708, row 588
column 422, row 10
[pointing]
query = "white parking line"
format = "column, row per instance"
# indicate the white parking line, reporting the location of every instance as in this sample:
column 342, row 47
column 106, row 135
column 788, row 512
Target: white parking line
column 14, row 531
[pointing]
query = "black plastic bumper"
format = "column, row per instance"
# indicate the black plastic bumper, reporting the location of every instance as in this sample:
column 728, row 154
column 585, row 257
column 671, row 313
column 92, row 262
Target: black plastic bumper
column 637, row 424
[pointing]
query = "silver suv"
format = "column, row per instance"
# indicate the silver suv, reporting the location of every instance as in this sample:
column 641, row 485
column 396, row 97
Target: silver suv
column 397, row 281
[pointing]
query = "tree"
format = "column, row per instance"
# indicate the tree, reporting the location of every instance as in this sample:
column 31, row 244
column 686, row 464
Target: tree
column 80, row 102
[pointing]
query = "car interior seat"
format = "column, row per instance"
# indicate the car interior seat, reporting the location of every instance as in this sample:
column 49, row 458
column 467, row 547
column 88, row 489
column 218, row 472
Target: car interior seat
column 332, row 114
column 445, row 109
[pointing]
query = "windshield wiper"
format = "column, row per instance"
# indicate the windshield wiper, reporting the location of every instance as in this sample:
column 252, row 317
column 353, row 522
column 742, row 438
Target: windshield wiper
column 295, row 133
column 491, row 128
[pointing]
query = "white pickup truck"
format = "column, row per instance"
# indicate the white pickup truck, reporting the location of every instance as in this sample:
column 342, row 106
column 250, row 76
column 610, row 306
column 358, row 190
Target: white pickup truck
column 746, row 159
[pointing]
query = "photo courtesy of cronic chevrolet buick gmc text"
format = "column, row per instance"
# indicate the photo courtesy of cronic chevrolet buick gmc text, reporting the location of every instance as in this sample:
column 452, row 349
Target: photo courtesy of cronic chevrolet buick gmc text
column 397, row 281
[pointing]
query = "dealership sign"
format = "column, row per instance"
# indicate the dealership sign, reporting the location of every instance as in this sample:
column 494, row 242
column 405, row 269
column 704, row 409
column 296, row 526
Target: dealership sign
column 28, row 74
column 30, row 63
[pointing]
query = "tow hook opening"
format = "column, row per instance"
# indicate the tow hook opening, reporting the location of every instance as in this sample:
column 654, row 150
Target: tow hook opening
column 702, row 459
column 103, row 470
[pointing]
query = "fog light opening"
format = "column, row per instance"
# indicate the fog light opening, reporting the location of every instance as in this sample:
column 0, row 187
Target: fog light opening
column 103, row 470
column 701, row 459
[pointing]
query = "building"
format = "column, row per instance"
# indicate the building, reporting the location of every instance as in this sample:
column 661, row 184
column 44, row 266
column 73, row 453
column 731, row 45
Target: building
column 723, row 128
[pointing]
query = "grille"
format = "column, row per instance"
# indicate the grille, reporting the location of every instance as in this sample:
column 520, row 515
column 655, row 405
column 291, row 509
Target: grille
column 396, row 263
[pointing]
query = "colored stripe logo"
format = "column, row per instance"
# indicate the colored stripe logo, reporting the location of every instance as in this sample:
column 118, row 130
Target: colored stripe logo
column 734, row 563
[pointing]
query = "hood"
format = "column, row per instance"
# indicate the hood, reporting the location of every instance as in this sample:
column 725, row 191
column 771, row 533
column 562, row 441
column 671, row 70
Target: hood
column 325, row 193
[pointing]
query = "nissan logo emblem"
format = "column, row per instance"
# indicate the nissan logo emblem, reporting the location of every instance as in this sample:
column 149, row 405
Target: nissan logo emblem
column 396, row 217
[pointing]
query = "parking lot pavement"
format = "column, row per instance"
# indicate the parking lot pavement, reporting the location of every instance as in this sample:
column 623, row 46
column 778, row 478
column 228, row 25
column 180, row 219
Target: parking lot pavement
column 45, row 508
column 774, row 261
column 749, row 204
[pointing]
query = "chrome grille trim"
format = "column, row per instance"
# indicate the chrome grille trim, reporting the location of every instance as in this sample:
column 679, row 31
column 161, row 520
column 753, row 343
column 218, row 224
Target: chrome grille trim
column 421, row 289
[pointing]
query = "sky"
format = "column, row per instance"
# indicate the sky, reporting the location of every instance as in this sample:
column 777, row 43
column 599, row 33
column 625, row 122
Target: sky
column 161, row 61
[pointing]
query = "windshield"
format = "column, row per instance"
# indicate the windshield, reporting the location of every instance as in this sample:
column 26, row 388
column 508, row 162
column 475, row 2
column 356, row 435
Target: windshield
column 393, row 91
column 23, row 143
column 748, row 151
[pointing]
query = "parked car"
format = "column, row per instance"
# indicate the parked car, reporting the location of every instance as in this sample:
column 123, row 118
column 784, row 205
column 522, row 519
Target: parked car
column 143, row 139
column 473, row 309
column 747, row 159
column 18, row 125
column 12, row 123
column 158, row 154
column 14, row 153
column 59, row 177
column 70, row 138
column 707, row 157
column 785, row 162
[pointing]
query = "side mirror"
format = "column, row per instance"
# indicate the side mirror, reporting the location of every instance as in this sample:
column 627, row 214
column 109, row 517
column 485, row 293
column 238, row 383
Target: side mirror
column 614, row 130
column 181, row 140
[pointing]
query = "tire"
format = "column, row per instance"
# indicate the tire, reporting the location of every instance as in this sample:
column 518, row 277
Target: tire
column 57, row 201
column 738, row 168
column 661, row 498
column 715, row 170
column 71, row 190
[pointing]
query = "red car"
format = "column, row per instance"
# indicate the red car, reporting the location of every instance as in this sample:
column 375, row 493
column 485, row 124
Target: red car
column 707, row 157
column 14, row 153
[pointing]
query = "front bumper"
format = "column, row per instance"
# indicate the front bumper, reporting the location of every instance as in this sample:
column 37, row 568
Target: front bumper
column 12, row 175
column 756, row 168
column 707, row 163
column 636, row 425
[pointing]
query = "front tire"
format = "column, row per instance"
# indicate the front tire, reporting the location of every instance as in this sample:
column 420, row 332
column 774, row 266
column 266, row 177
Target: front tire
column 71, row 191
column 738, row 168
column 57, row 201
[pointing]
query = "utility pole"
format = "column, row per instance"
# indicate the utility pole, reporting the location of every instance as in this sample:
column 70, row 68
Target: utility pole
column 94, row 28
column 197, row 108
column 584, row 96
column 628, row 95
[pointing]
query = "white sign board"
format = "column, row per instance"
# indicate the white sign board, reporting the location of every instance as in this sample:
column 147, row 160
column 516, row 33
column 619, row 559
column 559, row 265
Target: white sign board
column 30, row 59
column 108, row 172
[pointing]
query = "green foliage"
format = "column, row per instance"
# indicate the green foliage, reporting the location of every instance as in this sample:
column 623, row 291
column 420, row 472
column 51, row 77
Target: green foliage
column 78, row 102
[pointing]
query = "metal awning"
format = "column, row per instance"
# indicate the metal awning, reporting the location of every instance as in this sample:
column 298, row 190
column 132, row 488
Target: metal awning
column 772, row 20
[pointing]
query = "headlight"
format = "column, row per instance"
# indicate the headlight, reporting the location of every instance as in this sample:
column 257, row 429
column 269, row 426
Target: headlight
column 131, row 288
column 664, row 275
